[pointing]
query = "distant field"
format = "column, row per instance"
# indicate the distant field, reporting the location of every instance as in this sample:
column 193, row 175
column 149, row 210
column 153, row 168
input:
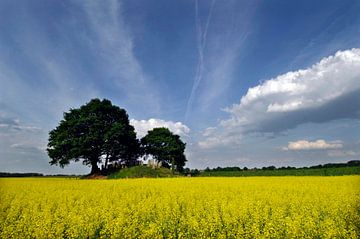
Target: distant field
column 248, row 207
column 287, row 172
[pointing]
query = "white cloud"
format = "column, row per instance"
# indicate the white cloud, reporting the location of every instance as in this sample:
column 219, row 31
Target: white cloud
column 323, row 82
column 28, row 147
column 328, row 90
column 208, row 131
column 13, row 124
column 313, row 145
column 214, row 141
column 143, row 126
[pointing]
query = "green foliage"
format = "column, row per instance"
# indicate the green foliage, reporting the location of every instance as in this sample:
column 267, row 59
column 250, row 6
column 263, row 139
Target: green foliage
column 285, row 172
column 91, row 132
column 143, row 172
column 19, row 175
column 165, row 147
column 191, row 172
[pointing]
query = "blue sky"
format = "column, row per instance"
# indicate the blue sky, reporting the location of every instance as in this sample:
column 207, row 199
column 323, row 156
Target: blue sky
column 245, row 83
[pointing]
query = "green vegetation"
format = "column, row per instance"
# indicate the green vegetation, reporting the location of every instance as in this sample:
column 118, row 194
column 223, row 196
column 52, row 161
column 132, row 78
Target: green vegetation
column 19, row 175
column 95, row 131
column 336, row 171
column 100, row 133
column 166, row 147
column 333, row 169
column 144, row 172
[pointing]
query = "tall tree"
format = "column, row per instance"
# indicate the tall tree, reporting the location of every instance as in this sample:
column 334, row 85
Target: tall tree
column 92, row 132
column 165, row 147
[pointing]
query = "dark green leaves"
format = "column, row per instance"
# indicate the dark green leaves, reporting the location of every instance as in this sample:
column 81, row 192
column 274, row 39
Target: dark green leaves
column 165, row 147
column 96, row 130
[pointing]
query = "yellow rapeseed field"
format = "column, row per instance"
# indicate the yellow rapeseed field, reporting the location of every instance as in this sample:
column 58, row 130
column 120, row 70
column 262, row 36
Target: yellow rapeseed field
column 253, row 207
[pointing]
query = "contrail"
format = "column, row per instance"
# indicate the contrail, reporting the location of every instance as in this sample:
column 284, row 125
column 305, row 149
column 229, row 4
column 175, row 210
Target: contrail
column 201, row 44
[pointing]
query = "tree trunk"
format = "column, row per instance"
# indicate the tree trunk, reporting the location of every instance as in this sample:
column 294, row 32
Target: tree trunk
column 172, row 164
column 106, row 161
column 94, row 167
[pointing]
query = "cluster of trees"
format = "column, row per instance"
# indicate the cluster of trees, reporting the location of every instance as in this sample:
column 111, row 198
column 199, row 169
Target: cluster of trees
column 99, row 133
column 191, row 172
column 352, row 163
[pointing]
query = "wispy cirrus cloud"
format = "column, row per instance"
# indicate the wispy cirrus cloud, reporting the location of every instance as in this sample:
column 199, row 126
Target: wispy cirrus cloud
column 9, row 124
column 201, row 37
column 323, row 31
column 115, row 49
column 218, row 49
column 86, row 51
column 82, row 50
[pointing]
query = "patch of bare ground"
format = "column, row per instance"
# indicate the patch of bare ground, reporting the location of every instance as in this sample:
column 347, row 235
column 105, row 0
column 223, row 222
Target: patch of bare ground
column 95, row 176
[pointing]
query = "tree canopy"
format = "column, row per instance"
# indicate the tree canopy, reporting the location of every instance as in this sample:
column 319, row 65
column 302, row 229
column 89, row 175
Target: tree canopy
column 165, row 147
column 96, row 132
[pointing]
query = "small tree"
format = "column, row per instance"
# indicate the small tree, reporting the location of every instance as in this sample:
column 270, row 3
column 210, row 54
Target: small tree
column 97, row 130
column 165, row 147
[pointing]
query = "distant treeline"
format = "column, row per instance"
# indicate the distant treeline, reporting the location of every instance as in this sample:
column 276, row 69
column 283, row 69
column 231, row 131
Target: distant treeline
column 19, row 175
column 2, row 174
column 352, row 163
column 331, row 169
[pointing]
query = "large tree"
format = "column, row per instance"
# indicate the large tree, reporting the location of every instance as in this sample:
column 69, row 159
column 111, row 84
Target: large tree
column 165, row 147
column 97, row 131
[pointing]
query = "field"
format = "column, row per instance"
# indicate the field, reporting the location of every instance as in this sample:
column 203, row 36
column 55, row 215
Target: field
column 248, row 207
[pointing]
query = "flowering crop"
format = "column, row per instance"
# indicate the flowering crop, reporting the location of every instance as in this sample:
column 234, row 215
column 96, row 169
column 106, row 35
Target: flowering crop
column 252, row 207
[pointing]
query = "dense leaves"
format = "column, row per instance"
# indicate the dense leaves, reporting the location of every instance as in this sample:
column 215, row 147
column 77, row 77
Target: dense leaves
column 165, row 147
column 95, row 132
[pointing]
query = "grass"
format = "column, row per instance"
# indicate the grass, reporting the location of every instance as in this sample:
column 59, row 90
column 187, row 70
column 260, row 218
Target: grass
column 286, row 172
column 143, row 172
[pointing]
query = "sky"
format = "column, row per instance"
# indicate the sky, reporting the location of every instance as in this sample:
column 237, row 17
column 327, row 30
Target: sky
column 244, row 83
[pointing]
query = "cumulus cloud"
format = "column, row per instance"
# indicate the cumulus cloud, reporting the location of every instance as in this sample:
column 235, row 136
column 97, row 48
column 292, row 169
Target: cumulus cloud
column 143, row 126
column 313, row 145
column 332, row 78
column 328, row 90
